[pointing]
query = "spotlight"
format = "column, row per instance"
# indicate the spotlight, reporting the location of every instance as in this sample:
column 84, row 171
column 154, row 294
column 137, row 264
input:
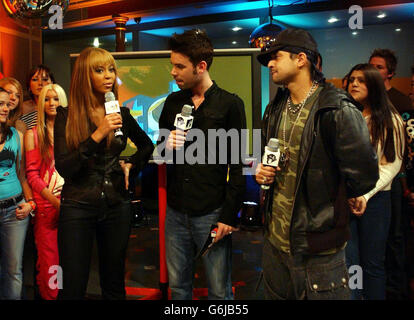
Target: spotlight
column 332, row 20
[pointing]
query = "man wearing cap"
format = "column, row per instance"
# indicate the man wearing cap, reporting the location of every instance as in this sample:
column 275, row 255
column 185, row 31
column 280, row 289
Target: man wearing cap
column 326, row 161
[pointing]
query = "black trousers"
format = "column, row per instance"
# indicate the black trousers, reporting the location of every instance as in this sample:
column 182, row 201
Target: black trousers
column 395, row 259
column 78, row 224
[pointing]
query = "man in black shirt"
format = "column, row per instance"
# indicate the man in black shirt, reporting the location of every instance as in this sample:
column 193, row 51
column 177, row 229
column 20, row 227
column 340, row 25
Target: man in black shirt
column 385, row 61
column 203, row 193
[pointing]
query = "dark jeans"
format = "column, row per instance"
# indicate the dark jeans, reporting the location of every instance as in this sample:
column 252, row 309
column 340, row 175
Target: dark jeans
column 316, row 277
column 77, row 226
column 366, row 248
column 186, row 234
column 395, row 258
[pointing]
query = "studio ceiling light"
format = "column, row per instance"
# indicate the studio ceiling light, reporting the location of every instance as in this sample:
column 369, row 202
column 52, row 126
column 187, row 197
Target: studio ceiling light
column 236, row 29
column 265, row 34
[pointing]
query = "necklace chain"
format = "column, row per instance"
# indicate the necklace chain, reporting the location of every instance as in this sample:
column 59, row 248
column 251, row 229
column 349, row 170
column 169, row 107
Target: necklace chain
column 294, row 110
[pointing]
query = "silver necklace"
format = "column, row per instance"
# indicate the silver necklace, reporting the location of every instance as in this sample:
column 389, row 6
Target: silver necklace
column 285, row 154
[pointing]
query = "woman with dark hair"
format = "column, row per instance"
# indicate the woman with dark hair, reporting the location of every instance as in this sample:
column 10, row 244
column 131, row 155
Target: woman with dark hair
column 38, row 77
column 14, row 209
column 95, row 196
column 371, row 216
column 46, row 184
column 14, row 88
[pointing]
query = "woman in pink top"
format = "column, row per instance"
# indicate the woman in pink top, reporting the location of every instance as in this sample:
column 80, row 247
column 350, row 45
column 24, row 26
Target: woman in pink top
column 46, row 184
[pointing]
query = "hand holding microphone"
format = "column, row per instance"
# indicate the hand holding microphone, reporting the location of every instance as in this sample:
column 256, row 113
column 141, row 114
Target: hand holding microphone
column 183, row 122
column 112, row 120
column 266, row 171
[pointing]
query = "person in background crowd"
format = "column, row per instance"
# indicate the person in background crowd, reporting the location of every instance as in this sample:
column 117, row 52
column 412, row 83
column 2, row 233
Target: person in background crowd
column 200, row 195
column 15, row 207
column 46, row 184
column 14, row 88
column 326, row 158
column 411, row 95
column 385, row 61
column 38, row 77
column 95, row 194
column 372, row 212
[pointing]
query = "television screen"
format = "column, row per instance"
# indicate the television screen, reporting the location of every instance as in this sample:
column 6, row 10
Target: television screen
column 145, row 82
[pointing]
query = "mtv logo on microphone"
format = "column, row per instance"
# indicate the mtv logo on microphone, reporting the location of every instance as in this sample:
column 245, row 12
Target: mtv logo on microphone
column 183, row 122
column 112, row 107
column 271, row 158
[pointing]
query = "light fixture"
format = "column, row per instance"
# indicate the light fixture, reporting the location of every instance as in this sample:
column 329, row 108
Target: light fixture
column 354, row 33
column 265, row 34
column 96, row 42
column 398, row 29
column 234, row 42
column 332, row 20
column 235, row 29
column 381, row 15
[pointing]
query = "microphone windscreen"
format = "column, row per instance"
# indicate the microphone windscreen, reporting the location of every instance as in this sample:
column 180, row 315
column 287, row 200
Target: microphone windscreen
column 186, row 110
column 109, row 96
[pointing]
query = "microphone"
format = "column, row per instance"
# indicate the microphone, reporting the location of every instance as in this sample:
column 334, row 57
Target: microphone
column 112, row 106
column 184, row 120
column 271, row 156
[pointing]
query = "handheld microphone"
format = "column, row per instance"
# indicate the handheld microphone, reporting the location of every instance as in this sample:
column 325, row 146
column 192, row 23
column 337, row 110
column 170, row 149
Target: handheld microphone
column 112, row 106
column 184, row 120
column 271, row 156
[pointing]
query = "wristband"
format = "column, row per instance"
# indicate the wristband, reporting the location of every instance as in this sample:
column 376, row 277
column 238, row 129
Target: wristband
column 406, row 193
column 32, row 204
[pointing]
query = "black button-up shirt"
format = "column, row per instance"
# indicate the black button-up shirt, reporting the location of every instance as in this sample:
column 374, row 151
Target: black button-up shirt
column 92, row 171
column 198, row 189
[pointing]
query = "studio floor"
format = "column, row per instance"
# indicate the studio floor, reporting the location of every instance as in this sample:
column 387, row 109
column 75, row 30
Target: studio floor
column 142, row 265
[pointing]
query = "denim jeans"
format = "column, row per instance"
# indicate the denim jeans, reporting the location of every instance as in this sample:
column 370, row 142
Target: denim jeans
column 366, row 247
column 12, row 237
column 184, row 236
column 310, row 277
column 77, row 226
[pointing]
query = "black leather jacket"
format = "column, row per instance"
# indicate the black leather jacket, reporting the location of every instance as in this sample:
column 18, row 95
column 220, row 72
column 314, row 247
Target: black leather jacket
column 336, row 162
column 92, row 171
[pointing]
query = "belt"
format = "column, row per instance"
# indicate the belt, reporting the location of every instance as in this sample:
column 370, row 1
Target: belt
column 9, row 202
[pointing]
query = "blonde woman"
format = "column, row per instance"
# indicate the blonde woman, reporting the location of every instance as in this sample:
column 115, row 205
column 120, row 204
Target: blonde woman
column 14, row 88
column 96, row 186
column 46, row 185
